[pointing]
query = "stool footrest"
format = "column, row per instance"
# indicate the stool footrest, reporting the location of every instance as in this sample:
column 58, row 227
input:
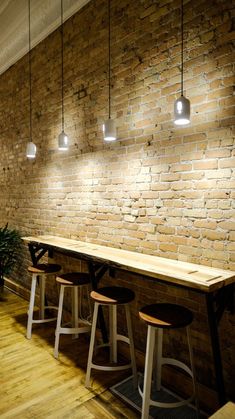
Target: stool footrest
column 123, row 338
column 44, row 320
column 176, row 363
column 120, row 338
column 50, row 319
column 48, row 308
column 73, row 330
column 111, row 368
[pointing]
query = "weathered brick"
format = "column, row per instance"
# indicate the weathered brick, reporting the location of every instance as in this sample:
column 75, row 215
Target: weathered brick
column 205, row 165
column 161, row 189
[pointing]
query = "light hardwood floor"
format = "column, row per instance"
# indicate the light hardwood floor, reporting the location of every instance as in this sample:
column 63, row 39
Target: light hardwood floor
column 36, row 385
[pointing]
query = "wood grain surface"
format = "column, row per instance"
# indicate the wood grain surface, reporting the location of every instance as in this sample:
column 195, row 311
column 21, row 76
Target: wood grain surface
column 36, row 385
column 200, row 277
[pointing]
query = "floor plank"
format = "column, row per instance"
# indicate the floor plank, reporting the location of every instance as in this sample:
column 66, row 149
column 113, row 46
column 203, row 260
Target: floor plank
column 36, row 385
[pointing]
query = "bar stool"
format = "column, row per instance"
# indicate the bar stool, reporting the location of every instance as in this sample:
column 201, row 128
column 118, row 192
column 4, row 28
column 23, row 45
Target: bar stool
column 40, row 271
column 112, row 297
column 159, row 317
column 76, row 281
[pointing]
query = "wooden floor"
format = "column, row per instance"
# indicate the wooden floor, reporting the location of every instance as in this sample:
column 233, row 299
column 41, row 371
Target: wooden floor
column 36, row 385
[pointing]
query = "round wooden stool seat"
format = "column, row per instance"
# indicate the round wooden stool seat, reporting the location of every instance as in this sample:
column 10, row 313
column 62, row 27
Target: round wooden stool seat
column 44, row 268
column 40, row 273
column 160, row 317
column 73, row 279
column 112, row 298
column 77, row 282
column 113, row 295
column 166, row 316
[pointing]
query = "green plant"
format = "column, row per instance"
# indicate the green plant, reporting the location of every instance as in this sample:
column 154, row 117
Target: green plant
column 10, row 251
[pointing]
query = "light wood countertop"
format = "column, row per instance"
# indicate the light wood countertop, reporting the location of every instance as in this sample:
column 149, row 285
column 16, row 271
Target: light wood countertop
column 200, row 277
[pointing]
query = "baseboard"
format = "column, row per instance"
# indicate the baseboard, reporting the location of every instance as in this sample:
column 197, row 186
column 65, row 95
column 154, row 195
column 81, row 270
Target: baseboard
column 17, row 288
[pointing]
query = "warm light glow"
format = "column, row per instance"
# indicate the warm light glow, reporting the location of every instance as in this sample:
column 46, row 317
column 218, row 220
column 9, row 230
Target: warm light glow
column 63, row 142
column 182, row 121
column 109, row 130
column 182, row 111
column 31, row 150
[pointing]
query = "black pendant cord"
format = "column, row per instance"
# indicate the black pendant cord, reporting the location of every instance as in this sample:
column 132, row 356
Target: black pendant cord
column 182, row 48
column 109, row 75
column 30, row 79
column 62, row 67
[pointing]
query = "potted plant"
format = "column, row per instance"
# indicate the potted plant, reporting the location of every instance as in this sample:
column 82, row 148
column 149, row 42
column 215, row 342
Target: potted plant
column 10, row 244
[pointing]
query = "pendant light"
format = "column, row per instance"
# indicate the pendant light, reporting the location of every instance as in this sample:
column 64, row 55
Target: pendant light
column 31, row 147
column 63, row 143
column 109, row 127
column 182, row 104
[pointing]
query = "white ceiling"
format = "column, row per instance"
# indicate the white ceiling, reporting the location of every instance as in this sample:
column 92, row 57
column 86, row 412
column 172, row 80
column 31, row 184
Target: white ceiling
column 45, row 18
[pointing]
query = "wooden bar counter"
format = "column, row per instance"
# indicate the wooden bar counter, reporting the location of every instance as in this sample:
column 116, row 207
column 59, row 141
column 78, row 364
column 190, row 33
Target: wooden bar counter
column 215, row 284
column 186, row 274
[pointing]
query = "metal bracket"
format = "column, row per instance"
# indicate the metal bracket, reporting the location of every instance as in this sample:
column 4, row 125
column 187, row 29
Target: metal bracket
column 37, row 252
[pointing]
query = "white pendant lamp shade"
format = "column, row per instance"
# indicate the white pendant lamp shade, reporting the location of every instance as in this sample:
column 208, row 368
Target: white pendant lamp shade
column 109, row 129
column 182, row 111
column 31, row 150
column 109, row 126
column 182, row 104
column 63, row 141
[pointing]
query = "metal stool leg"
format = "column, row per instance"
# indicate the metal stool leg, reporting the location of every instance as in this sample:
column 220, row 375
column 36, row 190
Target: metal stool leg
column 92, row 343
column 148, row 372
column 42, row 281
column 31, row 306
column 193, row 371
column 89, row 302
column 132, row 348
column 75, row 309
column 113, row 333
column 159, row 358
column 58, row 324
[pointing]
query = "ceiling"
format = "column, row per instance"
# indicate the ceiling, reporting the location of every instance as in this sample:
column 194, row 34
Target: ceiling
column 45, row 18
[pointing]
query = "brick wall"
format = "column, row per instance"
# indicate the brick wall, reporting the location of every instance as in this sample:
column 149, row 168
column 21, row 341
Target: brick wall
column 160, row 189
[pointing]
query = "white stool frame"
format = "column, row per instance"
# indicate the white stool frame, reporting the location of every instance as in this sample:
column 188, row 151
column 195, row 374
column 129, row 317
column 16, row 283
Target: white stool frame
column 42, row 281
column 76, row 315
column 114, row 337
column 160, row 361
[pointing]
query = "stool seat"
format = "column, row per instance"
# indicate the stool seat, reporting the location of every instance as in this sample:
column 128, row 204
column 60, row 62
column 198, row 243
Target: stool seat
column 73, row 279
column 44, row 268
column 40, row 272
column 166, row 316
column 160, row 317
column 76, row 282
column 113, row 295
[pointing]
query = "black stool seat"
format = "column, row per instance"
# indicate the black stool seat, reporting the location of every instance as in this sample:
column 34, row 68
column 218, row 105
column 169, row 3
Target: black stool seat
column 44, row 268
column 73, row 279
column 113, row 295
column 166, row 316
